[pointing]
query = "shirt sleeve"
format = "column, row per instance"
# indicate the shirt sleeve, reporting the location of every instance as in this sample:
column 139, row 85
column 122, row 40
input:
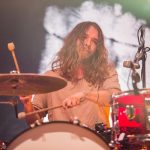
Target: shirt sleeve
column 112, row 82
column 39, row 101
column 44, row 100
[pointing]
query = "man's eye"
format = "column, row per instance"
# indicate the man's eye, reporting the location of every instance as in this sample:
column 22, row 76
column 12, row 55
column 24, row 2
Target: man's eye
column 95, row 42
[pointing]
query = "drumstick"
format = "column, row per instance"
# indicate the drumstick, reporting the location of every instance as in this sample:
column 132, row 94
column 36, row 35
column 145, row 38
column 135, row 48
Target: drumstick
column 23, row 115
column 11, row 48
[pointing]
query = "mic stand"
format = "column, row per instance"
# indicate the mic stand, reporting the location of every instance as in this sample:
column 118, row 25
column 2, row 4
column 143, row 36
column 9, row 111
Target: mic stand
column 141, row 53
column 15, row 103
column 135, row 80
column 143, row 71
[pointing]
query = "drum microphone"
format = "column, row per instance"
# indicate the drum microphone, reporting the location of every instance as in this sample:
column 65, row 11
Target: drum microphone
column 130, row 64
column 134, row 64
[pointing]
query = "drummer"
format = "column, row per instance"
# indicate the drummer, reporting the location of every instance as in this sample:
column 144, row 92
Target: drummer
column 91, row 80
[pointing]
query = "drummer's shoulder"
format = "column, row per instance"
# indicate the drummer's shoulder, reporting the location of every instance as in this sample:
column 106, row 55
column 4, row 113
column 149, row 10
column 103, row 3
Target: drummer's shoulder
column 55, row 72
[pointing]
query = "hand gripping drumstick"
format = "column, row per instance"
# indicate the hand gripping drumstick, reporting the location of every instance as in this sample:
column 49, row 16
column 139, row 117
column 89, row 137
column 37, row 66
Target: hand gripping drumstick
column 23, row 115
column 11, row 48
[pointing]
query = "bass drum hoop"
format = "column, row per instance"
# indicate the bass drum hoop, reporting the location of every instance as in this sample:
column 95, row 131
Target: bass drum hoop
column 58, row 135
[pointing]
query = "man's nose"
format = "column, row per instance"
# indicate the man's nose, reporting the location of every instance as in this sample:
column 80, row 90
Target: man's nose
column 87, row 42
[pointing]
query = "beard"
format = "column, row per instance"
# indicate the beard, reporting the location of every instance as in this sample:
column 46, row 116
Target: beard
column 84, row 52
column 85, row 57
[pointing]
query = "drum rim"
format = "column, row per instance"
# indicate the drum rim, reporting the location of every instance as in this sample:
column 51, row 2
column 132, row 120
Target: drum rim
column 57, row 122
column 129, row 92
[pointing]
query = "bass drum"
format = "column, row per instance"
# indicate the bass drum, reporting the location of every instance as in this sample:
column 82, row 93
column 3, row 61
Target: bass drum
column 58, row 135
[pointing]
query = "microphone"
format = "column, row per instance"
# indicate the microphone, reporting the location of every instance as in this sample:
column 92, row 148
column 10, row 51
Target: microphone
column 130, row 64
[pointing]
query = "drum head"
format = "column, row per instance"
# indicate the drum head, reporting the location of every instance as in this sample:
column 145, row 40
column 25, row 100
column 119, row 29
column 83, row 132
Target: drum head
column 57, row 136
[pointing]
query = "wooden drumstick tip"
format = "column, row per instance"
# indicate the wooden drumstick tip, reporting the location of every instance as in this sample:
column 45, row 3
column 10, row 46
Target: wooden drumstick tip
column 11, row 46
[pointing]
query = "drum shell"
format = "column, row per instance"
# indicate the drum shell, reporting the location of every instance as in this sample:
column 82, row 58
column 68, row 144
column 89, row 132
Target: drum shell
column 137, row 125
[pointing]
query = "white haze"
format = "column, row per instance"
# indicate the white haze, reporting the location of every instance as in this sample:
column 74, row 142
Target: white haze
column 117, row 25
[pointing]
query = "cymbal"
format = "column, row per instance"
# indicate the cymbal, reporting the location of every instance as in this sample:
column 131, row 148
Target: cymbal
column 28, row 83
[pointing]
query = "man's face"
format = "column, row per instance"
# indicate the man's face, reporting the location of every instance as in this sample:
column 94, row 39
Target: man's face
column 88, row 44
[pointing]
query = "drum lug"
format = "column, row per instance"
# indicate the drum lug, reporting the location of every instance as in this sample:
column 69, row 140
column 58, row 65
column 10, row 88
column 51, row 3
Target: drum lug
column 76, row 121
column 36, row 123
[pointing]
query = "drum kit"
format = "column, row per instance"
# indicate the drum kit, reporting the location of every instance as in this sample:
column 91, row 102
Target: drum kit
column 130, row 118
column 55, row 135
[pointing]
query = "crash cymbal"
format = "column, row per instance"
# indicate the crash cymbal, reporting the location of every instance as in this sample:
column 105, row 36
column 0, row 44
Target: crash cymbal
column 28, row 83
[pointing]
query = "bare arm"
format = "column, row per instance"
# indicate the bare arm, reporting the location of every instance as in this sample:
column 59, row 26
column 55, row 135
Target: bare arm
column 101, row 97
column 28, row 107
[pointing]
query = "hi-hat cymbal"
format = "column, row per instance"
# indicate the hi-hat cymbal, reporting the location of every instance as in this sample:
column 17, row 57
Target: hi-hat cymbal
column 28, row 83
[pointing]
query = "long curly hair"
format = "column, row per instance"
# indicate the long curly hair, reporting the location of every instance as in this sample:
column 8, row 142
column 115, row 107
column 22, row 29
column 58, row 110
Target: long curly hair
column 67, row 60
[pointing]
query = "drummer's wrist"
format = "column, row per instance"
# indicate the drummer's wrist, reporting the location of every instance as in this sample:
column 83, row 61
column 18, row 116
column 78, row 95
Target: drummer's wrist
column 28, row 106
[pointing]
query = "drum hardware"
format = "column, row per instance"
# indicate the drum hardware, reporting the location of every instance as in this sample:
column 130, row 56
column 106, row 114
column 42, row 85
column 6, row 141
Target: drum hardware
column 143, row 141
column 139, row 137
column 115, row 109
column 104, row 132
column 76, row 121
column 147, row 110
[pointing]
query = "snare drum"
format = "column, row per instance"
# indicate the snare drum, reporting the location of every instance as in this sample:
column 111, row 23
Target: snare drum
column 130, row 111
column 58, row 135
